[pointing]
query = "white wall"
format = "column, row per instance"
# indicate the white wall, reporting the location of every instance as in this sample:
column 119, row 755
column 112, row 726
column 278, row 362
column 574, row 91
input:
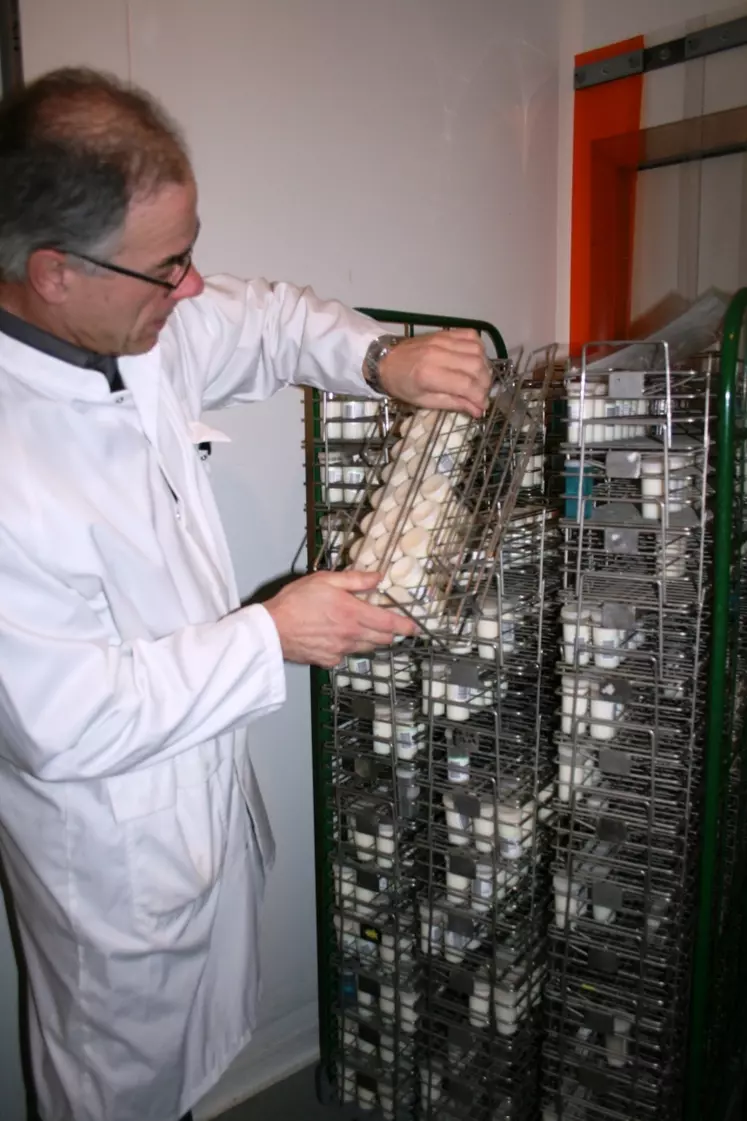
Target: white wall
column 667, row 236
column 389, row 154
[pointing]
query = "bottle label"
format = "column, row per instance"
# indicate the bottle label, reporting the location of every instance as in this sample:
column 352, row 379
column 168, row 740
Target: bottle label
column 353, row 410
column 483, row 889
column 407, row 737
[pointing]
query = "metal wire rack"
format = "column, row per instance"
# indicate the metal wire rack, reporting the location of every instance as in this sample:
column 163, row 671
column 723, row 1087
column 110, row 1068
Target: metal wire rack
column 637, row 545
column 436, row 779
column 531, row 823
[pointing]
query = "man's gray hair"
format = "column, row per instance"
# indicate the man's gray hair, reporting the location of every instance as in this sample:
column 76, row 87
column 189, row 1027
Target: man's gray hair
column 76, row 147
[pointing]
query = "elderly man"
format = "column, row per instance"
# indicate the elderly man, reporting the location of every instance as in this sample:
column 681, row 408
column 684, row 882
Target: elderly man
column 132, row 830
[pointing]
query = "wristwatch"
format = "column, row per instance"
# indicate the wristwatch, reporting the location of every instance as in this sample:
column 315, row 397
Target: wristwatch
column 378, row 349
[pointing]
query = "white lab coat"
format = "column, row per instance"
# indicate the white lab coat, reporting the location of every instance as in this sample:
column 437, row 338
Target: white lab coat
column 127, row 681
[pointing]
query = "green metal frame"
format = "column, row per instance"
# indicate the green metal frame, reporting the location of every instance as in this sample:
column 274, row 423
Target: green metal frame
column 718, row 1025
column 320, row 704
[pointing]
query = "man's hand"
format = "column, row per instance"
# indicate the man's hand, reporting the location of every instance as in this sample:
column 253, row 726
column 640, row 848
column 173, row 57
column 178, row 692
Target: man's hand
column 319, row 619
column 446, row 370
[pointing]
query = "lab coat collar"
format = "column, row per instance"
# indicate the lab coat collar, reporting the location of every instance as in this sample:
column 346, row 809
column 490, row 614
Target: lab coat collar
column 51, row 376
column 142, row 376
column 60, row 380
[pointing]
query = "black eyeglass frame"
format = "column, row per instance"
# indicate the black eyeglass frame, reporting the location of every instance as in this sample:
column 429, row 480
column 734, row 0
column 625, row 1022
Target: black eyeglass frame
column 169, row 285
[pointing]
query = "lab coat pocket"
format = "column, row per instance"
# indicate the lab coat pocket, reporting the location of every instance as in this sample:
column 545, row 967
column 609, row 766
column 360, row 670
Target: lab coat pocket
column 258, row 820
column 173, row 817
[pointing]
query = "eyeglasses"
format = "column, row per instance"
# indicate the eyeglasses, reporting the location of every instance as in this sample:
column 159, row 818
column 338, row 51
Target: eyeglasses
column 179, row 269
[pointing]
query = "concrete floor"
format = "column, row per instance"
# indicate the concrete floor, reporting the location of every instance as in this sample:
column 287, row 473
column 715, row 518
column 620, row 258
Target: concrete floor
column 294, row 1099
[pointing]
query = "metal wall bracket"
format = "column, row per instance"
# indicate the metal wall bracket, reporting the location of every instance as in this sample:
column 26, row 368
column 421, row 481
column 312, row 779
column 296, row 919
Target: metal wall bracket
column 608, row 70
column 711, row 40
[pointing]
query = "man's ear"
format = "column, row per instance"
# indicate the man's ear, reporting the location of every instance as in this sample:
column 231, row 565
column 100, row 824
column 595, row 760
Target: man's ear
column 49, row 275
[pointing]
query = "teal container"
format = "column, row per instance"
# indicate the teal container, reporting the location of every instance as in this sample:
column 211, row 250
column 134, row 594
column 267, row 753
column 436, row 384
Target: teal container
column 575, row 484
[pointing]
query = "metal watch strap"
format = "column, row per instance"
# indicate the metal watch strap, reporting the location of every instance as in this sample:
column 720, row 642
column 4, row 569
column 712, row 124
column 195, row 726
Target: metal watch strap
column 377, row 350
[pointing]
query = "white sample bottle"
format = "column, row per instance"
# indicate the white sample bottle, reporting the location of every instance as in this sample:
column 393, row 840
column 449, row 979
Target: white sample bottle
column 365, row 846
column 393, row 946
column 344, row 881
column 575, row 770
column 341, row 676
column 515, row 818
column 605, row 712
column 383, row 499
column 596, row 407
column 366, row 1099
column 426, row 514
column 353, row 419
column 332, row 417
column 407, row 573
column 457, row 762
column 381, row 669
column 575, row 704
column 460, row 636
column 364, row 898
column 434, row 677
column 432, row 921
column 652, row 486
column 347, row 933
column 359, row 668
column 570, row 900
column 405, row 450
column 437, row 489
column 331, row 475
column 350, row 1089
column 353, row 478
column 408, row 1000
column 362, row 555
column 458, row 699
column 416, row 543
column 573, row 396
column 675, row 558
column 606, row 642
column 483, row 887
column 679, row 482
column 510, row 1001
column 533, row 473
column 479, row 1001
column 485, row 826
column 408, row 791
column 394, row 474
column 617, row 1042
column 385, row 844
column 457, row 943
column 457, row 887
column 498, row 634
column 458, row 825
column 376, row 525
column 383, row 731
column 408, row 730
column 576, row 634
column 431, row 1081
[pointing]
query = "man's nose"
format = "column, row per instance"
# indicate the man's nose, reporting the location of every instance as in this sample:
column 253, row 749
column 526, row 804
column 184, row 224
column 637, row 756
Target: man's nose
column 192, row 285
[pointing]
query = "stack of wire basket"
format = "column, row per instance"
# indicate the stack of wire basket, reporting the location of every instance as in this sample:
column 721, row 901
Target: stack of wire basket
column 532, row 819
column 435, row 781
column 632, row 677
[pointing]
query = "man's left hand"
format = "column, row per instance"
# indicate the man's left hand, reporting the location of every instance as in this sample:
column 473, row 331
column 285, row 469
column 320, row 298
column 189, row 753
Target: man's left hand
column 445, row 370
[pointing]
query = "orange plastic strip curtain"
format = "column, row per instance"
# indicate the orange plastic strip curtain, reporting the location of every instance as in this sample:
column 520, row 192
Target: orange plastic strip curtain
column 606, row 147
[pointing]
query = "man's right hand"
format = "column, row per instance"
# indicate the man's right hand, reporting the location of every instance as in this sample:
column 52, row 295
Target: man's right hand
column 320, row 620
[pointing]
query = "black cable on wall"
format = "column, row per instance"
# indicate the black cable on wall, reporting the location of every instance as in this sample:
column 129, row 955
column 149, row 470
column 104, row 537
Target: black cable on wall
column 11, row 62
